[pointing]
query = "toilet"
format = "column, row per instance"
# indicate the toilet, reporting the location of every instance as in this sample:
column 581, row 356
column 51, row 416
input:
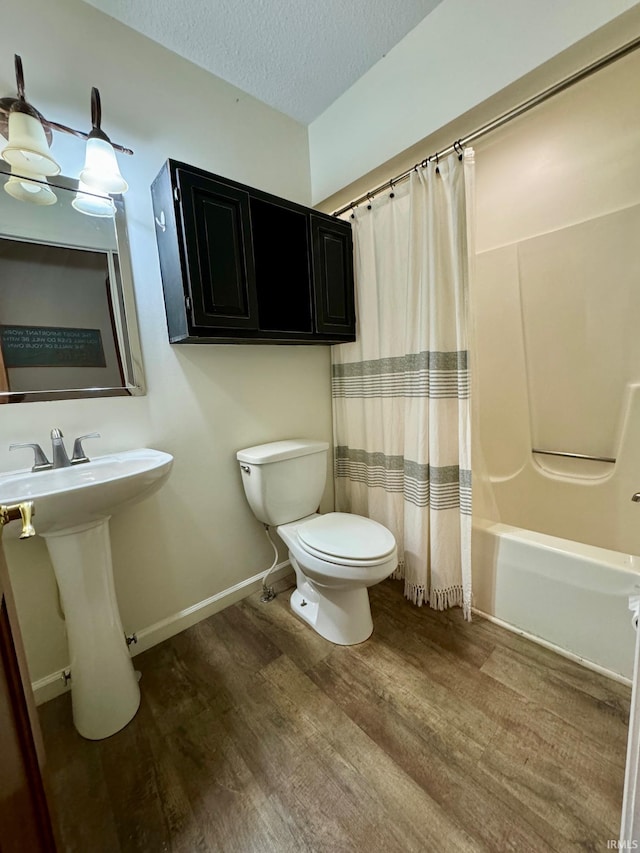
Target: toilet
column 336, row 556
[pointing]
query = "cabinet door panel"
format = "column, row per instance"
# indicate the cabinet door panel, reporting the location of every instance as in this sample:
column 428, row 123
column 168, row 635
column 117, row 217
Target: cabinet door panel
column 282, row 260
column 218, row 250
column 333, row 277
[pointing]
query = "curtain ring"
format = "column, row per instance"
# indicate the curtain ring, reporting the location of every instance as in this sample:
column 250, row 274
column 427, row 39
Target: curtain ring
column 437, row 164
column 369, row 198
column 353, row 213
column 391, row 193
column 459, row 150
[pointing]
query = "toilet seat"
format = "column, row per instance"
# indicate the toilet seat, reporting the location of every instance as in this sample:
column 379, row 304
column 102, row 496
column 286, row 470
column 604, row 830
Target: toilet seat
column 345, row 539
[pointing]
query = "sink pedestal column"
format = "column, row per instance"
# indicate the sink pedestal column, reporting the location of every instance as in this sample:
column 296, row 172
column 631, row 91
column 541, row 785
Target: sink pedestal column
column 104, row 687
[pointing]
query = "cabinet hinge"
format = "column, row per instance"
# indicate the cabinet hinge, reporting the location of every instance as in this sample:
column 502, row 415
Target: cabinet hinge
column 176, row 194
column 187, row 302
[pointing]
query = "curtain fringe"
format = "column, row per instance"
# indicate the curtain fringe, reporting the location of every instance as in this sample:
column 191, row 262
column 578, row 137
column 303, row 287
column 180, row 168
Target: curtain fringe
column 440, row 599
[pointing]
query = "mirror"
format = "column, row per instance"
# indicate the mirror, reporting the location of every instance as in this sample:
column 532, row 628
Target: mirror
column 68, row 325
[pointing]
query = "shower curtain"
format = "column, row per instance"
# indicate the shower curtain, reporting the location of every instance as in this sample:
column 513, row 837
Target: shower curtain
column 401, row 391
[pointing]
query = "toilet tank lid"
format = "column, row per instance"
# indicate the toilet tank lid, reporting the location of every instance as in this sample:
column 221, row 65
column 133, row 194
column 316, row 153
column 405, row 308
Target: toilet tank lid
column 275, row 451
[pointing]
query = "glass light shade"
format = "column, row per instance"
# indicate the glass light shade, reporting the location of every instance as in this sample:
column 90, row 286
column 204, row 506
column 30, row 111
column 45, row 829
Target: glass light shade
column 101, row 172
column 87, row 202
column 35, row 191
column 27, row 149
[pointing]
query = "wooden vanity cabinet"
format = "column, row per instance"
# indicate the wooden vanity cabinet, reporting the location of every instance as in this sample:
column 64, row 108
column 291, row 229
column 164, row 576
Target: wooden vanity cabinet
column 242, row 266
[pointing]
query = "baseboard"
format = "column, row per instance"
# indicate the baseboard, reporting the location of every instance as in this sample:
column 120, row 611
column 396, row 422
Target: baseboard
column 50, row 686
column 53, row 685
column 594, row 667
column 159, row 631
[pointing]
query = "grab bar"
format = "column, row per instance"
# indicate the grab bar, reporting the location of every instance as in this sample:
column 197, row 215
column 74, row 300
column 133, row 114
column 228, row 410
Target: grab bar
column 575, row 455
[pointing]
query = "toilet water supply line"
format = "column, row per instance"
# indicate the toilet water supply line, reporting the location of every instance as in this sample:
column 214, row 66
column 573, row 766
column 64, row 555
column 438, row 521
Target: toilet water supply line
column 268, row 592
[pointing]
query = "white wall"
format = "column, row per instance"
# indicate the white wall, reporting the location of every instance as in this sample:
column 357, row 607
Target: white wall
column 461, row 54
column 196, row 537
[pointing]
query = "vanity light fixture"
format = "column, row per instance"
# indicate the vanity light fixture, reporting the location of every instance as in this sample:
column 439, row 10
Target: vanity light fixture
column 29, row 136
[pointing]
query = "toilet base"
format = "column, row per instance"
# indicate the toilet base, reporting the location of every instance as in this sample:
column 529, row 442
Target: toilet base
column 342, row 616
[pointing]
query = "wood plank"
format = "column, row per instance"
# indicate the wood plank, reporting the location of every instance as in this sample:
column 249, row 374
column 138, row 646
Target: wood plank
column 168, row 684
column 256, row 734
column 298, row 764
column 230, row 807
column 445, row 775
column 604, row 717
column 85, row 817
column 131, row 776
column 548, row 775
column 187, row 833
column 464, row 727
column 291, row 635
column 389, row 798
column 446, row 629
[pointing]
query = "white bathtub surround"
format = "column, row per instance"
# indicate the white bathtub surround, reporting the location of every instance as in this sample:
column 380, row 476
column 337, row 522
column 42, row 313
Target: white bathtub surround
column 401, row 394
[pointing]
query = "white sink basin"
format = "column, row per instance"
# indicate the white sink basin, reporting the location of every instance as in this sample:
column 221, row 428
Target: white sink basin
column 67, row 498
column 72, row 507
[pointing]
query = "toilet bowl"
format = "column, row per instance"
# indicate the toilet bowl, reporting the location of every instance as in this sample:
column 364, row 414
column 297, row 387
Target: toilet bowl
column 331, row 579
column 335, row 556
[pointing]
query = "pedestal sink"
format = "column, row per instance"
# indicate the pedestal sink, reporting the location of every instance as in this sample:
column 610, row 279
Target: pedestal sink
column 72, row 511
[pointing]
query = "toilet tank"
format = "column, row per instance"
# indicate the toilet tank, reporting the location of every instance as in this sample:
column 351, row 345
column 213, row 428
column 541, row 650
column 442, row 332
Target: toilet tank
column 284, row 480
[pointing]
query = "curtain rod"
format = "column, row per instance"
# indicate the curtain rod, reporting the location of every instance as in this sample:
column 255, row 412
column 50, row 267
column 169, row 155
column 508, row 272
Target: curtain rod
column 524, row 107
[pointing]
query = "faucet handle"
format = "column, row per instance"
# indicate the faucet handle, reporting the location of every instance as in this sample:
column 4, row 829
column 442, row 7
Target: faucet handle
column 41, row 463
column 79, row 455
column 24, row 511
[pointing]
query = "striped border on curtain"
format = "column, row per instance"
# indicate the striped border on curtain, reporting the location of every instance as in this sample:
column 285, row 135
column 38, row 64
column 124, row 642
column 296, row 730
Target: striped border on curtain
column 424, row 374
column 448, row 487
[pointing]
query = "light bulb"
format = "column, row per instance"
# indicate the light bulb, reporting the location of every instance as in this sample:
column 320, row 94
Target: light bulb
column 101, row 172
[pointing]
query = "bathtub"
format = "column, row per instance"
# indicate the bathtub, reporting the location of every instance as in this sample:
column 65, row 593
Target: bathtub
column 570, row 597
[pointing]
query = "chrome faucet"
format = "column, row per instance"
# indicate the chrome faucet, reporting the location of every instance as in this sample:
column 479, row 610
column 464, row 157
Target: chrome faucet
column 40, row 463
column 60, row 457
column 79, row 455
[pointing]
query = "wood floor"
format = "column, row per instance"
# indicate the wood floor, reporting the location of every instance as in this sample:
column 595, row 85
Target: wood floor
column 255, row 734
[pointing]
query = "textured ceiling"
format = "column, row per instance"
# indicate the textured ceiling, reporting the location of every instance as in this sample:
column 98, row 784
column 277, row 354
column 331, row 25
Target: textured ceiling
column 295, row 55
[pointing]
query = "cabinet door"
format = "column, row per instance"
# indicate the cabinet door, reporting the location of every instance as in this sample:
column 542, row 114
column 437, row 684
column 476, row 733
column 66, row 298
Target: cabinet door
column 282, row 260
column 333, row 277
column 216, row 234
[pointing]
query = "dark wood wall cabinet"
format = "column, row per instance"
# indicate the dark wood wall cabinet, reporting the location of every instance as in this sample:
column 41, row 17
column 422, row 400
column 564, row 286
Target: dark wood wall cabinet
column 242, row 266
